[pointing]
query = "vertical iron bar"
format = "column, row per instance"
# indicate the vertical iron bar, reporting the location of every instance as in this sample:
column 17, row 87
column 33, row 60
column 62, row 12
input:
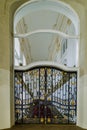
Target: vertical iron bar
column 57, row 85
column 28, row 87
column 22, row 97
column 45, row 95
column 25, row 86
column 66, row 92
column 68, row 97
column 76, row 97
column 63, row 90
column 52, row 91
column 39, row 95
column 61, row 94
column 14, row 94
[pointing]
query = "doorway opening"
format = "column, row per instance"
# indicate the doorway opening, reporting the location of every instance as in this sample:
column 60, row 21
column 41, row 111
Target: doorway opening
column 46, row 31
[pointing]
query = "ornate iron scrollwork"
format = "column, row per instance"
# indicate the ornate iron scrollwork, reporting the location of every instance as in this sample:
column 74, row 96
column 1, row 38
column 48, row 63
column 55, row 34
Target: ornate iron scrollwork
column 45, row 95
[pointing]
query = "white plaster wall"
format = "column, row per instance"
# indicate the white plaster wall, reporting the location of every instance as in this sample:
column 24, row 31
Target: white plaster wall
column 4, row 99
column 82, row 102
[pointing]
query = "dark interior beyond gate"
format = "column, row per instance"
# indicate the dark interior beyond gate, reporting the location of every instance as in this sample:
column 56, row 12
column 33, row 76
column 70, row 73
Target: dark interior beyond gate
column 45, row 95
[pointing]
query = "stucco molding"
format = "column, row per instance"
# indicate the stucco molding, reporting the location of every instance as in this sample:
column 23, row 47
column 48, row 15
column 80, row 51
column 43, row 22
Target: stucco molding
column 46, row 63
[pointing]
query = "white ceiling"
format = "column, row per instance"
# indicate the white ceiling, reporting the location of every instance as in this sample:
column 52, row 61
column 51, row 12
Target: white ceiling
column 43, row 19
column 40, row 42
column 38, row 45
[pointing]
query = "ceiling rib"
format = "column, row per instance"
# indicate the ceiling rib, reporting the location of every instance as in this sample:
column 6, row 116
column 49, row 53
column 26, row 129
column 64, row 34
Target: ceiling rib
column 46, row 31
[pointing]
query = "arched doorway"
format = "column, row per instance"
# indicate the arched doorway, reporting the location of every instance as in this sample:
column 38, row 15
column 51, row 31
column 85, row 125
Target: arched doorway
column 40, row 109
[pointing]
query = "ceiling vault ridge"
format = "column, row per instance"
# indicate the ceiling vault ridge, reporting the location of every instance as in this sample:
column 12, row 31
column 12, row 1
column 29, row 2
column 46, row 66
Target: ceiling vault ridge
column 63, row 34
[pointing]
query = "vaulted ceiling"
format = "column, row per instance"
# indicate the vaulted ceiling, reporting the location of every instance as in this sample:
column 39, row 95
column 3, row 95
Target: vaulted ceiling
column 41, row 46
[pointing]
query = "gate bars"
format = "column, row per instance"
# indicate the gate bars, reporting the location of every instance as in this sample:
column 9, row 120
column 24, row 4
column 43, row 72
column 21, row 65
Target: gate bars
column 45, row 95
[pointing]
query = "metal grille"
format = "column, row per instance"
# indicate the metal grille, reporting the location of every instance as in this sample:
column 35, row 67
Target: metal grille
column 45, row 95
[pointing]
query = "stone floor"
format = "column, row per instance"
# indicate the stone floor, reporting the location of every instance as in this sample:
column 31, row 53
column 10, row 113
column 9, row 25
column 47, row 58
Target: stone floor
column 44, row 127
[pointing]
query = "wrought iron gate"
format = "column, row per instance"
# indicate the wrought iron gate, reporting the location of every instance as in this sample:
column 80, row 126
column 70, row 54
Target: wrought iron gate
column 45, row 95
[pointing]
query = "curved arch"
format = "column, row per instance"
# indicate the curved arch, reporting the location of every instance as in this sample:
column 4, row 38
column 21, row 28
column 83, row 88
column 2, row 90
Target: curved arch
column 53, row 5
column 45, row 31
